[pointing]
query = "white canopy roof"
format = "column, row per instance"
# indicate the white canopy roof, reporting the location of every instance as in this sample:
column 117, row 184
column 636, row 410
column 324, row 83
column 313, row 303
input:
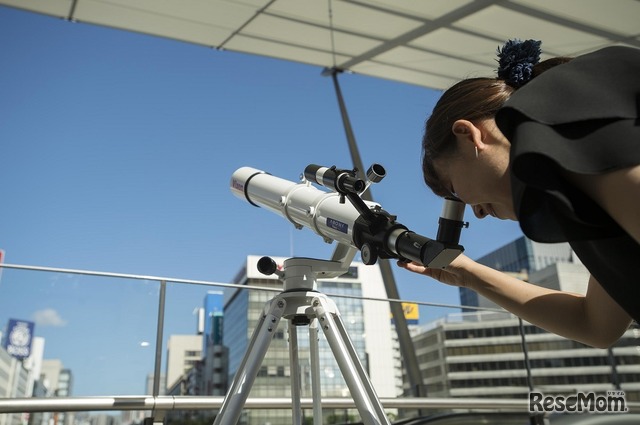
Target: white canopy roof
column 431, row 43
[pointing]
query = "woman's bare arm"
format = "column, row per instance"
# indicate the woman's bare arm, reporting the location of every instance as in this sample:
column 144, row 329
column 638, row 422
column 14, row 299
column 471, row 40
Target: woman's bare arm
column 593, row 319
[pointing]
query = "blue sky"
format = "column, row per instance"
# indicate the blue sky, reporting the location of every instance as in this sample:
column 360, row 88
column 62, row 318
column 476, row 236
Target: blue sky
column 116, row 151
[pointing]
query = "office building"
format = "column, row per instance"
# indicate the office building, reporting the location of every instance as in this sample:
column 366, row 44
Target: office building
column 162, row 389
column 183, row 353
column 21, row 357
column 215, row 374
column 481, row 355
column 58, row 381
column 14, row 384
column 367, row 323
column 202, row 370
column 215, row 356
column 210, row 319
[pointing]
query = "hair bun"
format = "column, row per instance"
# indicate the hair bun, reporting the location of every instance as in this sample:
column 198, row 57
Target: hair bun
column 516, row 60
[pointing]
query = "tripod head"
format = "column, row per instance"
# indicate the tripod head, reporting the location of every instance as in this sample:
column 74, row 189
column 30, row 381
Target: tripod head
column 301, row 273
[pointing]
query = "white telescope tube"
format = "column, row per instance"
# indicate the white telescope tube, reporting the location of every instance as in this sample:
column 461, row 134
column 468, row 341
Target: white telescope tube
column 302, row 204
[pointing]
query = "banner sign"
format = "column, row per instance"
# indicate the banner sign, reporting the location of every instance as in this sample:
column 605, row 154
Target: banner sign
column 18, row 339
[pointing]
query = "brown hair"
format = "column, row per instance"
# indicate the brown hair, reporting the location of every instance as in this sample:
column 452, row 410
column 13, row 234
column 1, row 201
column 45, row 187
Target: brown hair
column 473, row 99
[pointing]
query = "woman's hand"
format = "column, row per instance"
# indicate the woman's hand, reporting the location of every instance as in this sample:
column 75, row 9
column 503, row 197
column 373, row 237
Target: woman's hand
column 456, row 274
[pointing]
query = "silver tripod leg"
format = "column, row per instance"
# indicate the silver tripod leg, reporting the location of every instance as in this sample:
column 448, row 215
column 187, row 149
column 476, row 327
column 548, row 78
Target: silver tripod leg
column 262, row 336
column 294, row 364
column 364, row 396
column 315, row 372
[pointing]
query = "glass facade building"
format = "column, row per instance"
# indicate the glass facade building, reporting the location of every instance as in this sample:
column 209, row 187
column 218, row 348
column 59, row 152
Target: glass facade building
column 525, row 255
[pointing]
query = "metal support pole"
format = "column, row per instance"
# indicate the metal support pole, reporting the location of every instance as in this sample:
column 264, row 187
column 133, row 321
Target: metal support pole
column 159, row 337
column 157, row 416
column 404, row 338
column 534, row 419
column 615, row 378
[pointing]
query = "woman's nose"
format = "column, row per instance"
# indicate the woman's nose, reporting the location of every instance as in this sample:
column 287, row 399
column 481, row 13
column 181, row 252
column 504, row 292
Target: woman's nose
column 479, row 211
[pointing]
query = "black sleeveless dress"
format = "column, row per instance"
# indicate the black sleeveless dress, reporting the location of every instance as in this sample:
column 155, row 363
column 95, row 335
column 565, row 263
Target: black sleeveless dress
column 582, row 116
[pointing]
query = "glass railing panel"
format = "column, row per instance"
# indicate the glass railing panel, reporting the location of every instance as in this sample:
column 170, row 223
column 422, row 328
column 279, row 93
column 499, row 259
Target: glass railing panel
column 100, row 331
column 102, row 328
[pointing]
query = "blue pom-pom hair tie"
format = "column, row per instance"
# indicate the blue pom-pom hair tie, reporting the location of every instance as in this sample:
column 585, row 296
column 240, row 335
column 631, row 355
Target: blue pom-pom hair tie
column 516, row 60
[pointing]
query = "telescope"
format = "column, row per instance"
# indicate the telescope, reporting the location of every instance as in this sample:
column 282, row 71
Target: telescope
column 360, row 224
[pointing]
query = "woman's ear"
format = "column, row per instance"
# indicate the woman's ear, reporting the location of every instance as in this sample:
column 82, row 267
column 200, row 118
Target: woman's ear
column 461, row 127
column 465, row 130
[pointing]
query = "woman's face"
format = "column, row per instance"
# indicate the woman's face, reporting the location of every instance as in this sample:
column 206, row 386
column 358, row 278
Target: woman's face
column 482, row 181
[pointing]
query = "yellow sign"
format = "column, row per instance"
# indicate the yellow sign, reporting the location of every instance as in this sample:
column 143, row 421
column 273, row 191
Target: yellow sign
column 411, row 312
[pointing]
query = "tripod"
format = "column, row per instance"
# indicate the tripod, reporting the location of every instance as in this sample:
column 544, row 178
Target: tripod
column 301, row 304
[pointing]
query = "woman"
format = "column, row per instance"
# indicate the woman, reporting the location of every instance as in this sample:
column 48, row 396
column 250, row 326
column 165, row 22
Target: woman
column 556, row 146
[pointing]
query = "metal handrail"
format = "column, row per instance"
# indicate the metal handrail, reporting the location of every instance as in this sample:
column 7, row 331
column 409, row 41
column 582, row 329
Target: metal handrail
column 166, row 403
column 229, row 285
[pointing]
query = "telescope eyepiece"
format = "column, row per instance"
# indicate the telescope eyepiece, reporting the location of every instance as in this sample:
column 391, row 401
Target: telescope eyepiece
column 451, row 221
column 376, row 173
